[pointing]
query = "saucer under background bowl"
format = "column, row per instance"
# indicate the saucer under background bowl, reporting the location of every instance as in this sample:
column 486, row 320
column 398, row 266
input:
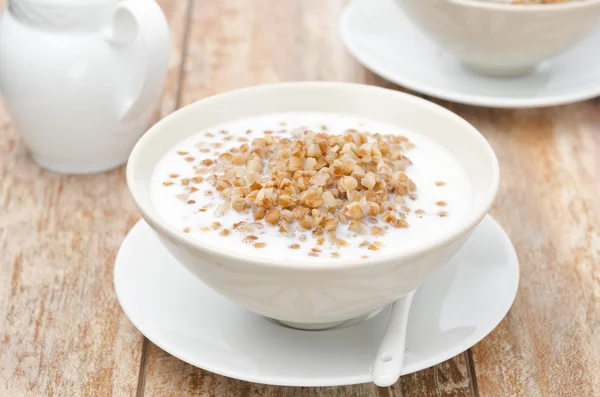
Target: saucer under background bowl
column 381, row 37
column 456, row 307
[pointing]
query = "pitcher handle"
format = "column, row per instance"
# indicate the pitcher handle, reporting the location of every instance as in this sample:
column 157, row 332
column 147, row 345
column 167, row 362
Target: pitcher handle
column 143, row 18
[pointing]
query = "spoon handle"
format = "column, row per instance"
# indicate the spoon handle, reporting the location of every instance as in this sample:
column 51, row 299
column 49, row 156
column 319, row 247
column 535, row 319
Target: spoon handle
column 389, row 361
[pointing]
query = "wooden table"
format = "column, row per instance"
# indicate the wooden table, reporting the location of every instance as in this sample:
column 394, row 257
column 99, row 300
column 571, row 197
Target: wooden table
column 62, row 332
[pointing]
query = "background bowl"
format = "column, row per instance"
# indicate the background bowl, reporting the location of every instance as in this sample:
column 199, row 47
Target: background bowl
column 315, row 295
column 498, row 39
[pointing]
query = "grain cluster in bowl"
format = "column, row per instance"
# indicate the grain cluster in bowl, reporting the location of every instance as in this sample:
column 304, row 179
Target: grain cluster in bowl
column 319, row 182
column 321, row 189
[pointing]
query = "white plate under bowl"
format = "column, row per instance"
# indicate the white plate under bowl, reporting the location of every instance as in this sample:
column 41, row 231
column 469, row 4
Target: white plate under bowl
column 383, row 39
column 456, row 308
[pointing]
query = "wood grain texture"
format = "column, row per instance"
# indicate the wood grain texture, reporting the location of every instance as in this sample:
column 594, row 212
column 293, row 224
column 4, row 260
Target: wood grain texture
column 62, row 332
column 167, row 376
column 549, row 345
column 239, row 43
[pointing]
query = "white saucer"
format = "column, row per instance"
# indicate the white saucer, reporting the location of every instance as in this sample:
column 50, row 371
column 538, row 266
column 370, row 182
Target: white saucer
column 455, row 309
column 383, row 39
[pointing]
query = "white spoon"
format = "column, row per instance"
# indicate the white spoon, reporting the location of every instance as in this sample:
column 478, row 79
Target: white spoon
column 389, row 361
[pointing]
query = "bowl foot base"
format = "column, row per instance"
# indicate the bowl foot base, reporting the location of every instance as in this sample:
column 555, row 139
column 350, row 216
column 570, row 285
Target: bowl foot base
column 77, row 168
column 499, row 71
column 312, row 326
column 330, row 325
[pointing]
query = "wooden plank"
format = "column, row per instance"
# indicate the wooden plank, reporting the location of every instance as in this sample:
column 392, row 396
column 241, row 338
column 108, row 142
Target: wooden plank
column 169, row 377
column 548, row 203
column 62, row 331
column 235, row 44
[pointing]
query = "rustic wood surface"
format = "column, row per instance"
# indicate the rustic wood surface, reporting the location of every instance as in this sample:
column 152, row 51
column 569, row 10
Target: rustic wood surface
column 62, row 332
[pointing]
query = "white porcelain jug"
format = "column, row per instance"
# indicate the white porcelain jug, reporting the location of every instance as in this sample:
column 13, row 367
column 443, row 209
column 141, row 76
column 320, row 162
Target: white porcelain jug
column 81, row 78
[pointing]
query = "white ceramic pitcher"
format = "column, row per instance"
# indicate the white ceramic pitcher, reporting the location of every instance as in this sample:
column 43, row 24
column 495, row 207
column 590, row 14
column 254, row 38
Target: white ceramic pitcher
column 81, row 78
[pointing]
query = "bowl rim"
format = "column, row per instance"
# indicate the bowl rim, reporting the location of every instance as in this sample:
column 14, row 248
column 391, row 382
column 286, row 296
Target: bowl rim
column 531, row 8
column 471, row 220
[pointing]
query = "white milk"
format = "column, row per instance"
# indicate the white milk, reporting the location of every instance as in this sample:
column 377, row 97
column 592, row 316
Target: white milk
column 431, row 164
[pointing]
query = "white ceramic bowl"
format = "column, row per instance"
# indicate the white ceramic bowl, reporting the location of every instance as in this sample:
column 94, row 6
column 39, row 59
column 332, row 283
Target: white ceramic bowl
column 294, row 291
column 502, row 39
